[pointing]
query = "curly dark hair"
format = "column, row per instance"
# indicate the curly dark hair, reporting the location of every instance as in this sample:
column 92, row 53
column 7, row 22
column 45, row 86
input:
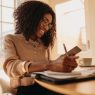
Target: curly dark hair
column 27, row 17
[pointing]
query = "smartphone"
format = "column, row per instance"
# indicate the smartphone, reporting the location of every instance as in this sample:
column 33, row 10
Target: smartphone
column 74, row 51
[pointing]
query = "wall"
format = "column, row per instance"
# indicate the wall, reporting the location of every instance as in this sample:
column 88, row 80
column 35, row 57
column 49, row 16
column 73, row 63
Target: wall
column 90, row 29
column 46, row 1
column 53, row 3
column 90, row 25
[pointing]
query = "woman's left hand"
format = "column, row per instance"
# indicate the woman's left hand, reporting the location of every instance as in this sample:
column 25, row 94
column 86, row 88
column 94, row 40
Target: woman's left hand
column 69, row 63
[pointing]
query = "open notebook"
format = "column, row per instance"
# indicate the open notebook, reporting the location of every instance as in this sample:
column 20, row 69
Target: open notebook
column 61, row 78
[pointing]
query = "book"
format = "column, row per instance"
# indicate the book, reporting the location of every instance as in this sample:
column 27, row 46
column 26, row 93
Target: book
column 62, row 78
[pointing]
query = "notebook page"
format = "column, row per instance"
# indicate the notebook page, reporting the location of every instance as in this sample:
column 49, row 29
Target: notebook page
column 62, row 73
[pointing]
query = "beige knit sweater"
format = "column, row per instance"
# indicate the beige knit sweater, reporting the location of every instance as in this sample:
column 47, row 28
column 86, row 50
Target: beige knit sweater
column 19, row 53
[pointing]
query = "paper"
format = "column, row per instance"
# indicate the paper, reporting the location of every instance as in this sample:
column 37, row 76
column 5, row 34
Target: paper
column 62, row 73
column 88, row 71
column 59, row 75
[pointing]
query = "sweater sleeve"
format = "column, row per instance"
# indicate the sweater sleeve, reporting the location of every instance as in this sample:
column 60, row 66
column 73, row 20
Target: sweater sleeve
column 13, row 66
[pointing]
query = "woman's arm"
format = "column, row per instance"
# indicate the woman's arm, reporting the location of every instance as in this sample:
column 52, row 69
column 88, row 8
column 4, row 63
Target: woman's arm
column 13, row 66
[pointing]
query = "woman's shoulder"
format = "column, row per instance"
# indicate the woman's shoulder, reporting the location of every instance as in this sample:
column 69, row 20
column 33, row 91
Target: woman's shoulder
column 8, row 36
column 13, row 36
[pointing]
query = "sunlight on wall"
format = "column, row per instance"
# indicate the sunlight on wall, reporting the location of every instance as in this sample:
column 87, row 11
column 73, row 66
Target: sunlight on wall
column 70, row 20
column 83, row 39
column 46, row 1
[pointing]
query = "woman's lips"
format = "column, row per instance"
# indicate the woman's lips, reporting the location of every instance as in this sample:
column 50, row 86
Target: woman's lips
column 42, row 32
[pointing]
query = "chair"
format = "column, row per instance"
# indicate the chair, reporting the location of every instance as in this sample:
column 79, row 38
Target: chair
column 5, row 88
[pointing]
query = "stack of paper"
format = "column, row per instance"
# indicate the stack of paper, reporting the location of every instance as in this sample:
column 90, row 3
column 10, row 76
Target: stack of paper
column 62, row 75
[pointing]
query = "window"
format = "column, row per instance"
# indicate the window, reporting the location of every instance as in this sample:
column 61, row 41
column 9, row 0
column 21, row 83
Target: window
column 6, row 21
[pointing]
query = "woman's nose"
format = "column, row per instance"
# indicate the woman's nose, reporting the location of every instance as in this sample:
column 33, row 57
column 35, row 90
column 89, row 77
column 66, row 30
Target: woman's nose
column 46, row 27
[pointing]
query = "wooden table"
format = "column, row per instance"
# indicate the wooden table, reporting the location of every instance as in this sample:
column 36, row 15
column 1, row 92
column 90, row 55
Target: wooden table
column 80, row 88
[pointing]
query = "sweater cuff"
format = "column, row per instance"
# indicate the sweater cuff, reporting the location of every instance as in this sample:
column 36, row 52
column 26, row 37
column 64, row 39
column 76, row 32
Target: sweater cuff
column 26, row 66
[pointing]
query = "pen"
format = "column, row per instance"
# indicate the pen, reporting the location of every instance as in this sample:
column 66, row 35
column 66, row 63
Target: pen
column 65, row 49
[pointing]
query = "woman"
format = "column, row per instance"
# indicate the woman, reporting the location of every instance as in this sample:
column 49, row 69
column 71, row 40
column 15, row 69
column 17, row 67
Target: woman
column 27, row 50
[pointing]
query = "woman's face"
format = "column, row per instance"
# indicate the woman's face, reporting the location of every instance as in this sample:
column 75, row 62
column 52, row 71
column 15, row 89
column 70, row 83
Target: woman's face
column 44, row 25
